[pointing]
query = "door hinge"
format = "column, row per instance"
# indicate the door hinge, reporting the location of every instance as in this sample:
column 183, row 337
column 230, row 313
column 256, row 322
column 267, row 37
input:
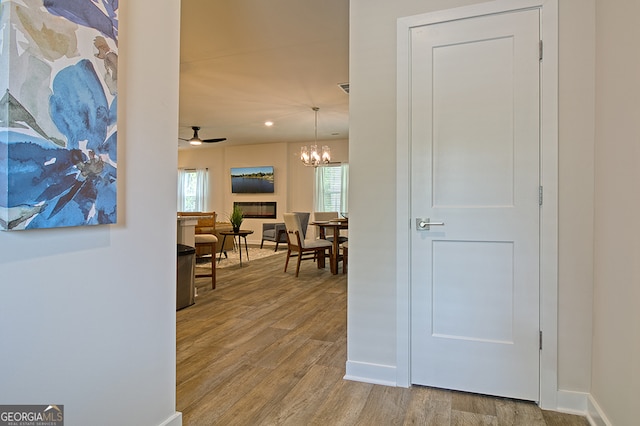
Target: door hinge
column 540, row 50
column 540, row 195
column 540, row 339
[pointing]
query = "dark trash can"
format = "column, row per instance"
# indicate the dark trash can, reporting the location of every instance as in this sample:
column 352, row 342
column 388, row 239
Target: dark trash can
column 185, row 286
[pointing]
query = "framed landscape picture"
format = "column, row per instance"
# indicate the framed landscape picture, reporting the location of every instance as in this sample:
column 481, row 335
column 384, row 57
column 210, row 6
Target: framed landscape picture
column 252, row 180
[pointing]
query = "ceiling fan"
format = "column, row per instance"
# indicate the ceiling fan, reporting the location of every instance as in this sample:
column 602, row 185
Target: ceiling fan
column 195, row 140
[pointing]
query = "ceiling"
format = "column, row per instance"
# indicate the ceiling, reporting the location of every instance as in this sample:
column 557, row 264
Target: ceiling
column 243, row 62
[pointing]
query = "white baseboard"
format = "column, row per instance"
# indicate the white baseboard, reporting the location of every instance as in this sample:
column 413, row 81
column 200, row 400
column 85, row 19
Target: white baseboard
column 174, row 420
column 572, row 402
column 595, row 415
column 583, row 404
column 371, row 373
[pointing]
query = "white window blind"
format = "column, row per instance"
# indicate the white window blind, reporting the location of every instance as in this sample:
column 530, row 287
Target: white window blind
column 332, row 185
column 193, row 190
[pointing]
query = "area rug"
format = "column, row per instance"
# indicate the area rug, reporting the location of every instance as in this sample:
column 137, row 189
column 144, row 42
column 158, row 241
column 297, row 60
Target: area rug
column 233, row 257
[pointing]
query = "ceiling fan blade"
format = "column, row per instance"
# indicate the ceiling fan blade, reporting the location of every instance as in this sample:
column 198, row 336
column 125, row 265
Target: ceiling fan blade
column 196, row 139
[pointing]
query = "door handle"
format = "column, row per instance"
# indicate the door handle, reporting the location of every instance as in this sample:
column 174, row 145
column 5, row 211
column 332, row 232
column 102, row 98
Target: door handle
column 423, row 224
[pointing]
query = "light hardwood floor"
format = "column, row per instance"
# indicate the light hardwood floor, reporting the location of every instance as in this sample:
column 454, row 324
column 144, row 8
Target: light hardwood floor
column 266, row 348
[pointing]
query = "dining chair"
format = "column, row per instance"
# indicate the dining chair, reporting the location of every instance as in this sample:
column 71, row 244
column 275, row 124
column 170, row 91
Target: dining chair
column 303, row 249
column 329, row 216
column 304, row 222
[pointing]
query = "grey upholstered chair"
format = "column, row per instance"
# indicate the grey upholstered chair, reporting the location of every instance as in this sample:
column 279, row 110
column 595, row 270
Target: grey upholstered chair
column 301, row 248
column 275, row 232
column 304, row 222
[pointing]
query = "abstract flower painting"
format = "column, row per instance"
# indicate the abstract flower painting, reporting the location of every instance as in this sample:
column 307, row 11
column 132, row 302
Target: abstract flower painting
column 58, row 113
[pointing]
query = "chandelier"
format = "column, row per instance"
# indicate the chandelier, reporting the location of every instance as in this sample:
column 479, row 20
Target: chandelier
column 311, row 156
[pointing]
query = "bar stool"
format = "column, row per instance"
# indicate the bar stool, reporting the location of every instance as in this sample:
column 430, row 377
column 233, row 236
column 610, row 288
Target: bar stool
column 208, row 240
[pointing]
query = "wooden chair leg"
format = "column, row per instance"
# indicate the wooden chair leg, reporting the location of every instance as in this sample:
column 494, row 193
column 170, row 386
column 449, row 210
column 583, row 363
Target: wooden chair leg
column 298, row 265
column 332, row 264
column 287, row 261
column 213, row 266
column 345, row 257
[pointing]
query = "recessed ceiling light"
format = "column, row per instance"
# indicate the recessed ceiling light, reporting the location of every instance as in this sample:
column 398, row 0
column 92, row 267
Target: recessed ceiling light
column 268, row 123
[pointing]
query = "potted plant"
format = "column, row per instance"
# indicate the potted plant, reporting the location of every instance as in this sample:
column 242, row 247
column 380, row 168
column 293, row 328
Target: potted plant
column 235, row 218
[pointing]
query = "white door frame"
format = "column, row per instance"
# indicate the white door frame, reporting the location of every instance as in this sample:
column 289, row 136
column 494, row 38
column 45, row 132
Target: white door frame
column 548, row 178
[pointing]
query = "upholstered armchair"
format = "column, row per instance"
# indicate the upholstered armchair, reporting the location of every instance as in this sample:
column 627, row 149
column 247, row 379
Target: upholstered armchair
column 275, row 232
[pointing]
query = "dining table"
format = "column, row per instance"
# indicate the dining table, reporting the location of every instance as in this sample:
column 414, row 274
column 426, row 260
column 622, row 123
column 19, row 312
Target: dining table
column 336, row 225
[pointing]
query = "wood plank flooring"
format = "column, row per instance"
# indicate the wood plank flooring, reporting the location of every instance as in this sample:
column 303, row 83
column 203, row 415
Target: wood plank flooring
column 266, row 348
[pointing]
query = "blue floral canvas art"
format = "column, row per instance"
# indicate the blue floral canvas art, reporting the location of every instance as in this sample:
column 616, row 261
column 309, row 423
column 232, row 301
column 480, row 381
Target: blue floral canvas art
column 58, row 113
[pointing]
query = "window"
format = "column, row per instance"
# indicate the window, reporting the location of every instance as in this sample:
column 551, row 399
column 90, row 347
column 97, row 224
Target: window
column 332, row 184
column 193, row 190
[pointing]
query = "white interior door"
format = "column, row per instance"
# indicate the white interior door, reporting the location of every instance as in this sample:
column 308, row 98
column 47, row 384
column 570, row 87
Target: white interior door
column 474, row 134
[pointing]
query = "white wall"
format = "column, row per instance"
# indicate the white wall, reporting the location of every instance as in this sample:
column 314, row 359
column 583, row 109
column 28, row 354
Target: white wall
column 616, row 332
column 372, row 287
column 294, row 182
column 87, row 315
column 576, row 192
